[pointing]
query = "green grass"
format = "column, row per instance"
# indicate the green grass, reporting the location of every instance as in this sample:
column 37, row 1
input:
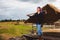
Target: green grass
column 9, row 28
column 14, row 30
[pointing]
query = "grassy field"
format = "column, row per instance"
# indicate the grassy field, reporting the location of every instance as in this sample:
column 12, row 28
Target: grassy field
column 11, row 29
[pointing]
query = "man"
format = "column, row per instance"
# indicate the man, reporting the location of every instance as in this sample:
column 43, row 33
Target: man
column 38, row 22
column 38, row 18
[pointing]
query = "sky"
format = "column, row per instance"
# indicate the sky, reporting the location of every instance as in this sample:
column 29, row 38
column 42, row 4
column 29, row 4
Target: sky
column 18, row 9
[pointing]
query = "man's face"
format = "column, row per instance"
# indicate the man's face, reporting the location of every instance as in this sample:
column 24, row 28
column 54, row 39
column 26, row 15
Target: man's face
column 38, row 9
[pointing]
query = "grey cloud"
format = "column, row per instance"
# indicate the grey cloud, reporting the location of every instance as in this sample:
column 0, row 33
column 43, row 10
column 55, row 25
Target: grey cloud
column 11, row 13
column 7, row 12
column 51, row 0
column 31, row 1
column 24, row 0
column 2, row 17
column 37, row 1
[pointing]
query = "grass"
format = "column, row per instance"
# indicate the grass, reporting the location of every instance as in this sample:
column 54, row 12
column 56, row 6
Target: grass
column 14, row 30
column 10, row 29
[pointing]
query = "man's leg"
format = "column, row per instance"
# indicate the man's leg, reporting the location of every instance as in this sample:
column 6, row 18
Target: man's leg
column 39, row 31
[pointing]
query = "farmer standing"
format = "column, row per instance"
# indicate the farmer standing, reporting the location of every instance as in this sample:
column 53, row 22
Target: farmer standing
column 38, row 21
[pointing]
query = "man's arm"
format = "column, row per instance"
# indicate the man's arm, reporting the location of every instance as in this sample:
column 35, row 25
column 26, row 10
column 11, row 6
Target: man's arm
column 30, row 14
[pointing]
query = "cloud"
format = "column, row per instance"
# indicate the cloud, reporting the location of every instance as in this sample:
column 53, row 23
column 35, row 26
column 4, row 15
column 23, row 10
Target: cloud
column 37, row 1
column 14, row 9
column 51, row 0
column 18, row 9
column 32, row 1
column 57, row 4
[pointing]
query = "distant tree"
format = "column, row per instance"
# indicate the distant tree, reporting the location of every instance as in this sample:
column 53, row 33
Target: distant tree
column 17, row 22
column 10, row 19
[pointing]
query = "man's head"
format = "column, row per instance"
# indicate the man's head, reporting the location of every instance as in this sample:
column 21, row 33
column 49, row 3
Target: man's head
column 38, row 9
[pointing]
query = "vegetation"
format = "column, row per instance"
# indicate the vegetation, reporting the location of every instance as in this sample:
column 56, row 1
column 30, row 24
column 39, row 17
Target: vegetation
column 13, row 29
column 9, row 28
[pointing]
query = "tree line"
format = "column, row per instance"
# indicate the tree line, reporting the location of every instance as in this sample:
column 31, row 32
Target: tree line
column 10, row 20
